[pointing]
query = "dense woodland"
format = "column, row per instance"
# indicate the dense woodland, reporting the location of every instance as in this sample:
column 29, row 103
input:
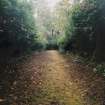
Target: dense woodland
column 84, row 32
column 18, row 32
column 78, row 26
column 75, row 27
column 39, row 43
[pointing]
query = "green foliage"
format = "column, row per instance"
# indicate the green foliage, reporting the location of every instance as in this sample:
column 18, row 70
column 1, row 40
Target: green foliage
column 100, row 69
column 51, row 44
column 17, row 26
column 84, row 32
column 61, row 42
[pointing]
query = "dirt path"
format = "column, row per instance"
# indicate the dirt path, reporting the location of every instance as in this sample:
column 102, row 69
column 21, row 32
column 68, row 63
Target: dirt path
column 50, row 78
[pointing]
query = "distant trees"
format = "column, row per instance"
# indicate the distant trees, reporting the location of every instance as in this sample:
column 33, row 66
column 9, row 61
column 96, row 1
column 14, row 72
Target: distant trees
column 60, row 21
column 85, row 32
column 17, row 26
column 44, row 21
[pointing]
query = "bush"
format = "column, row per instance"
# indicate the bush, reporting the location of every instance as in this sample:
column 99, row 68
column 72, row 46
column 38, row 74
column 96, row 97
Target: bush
column 100, row 69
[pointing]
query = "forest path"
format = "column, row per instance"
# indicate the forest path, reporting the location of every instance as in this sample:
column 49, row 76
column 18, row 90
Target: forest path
column 51, row 78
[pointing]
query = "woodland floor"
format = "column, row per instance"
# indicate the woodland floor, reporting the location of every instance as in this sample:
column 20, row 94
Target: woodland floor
column 51, row 78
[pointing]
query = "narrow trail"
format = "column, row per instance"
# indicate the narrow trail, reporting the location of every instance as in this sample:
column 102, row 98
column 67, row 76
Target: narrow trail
column 51, row 78
column 57, row 83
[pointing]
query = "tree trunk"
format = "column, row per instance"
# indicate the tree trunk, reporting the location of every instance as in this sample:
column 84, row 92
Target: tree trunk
column 100, row 43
